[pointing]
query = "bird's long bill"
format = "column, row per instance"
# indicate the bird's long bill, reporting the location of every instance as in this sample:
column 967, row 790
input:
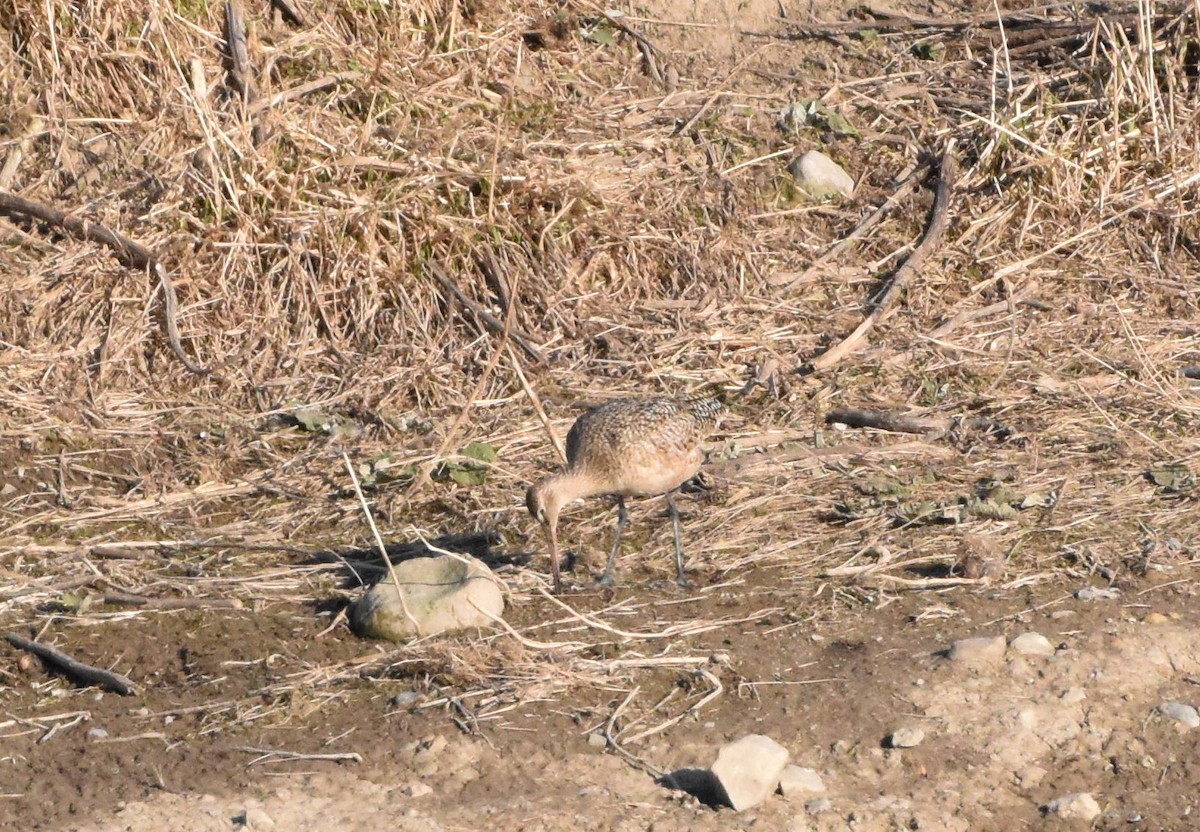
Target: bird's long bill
column 552, row 532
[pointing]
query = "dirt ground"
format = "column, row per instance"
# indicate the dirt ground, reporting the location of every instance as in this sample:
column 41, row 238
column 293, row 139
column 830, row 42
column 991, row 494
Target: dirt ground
column 1001, row 740
column 826, row 590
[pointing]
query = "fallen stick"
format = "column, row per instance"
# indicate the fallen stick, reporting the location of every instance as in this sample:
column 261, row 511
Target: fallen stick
column 930, row 427
column 273, row 755
column 289, row 12
column 859, row 230
column 124, row 599
column 486, row 318
column 240, row 72
column 73, row 668
column 934, row 233
column 1018, row 298
column 130, row 254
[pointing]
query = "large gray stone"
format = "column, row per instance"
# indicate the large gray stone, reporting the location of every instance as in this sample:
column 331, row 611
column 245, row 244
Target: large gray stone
column 748, row 770
column 441, row 595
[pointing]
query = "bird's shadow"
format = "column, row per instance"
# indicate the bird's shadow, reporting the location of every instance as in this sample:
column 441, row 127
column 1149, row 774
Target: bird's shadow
column 364, row 566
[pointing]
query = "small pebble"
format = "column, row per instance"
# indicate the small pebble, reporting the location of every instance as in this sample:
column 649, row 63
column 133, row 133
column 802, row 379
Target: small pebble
column 1080, row 806
column 1155, row 618
column 404, row 700
column 97, row 734
column 1032, row 644
column 982, row 650
column 1185, row 715
column 1073, row 695
column 416, row 789
column 597, row 740
column 818, row 805
column 1092, row 593
column 906, row 738
column 1059, row 615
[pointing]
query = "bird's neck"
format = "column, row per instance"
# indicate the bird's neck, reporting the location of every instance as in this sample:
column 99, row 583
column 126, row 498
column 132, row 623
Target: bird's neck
column 573, row 484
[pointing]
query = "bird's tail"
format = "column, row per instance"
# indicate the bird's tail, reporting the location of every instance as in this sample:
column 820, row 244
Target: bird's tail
column 708, row 405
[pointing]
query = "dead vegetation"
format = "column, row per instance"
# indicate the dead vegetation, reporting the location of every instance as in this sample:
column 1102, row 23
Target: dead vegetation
column 433, row 224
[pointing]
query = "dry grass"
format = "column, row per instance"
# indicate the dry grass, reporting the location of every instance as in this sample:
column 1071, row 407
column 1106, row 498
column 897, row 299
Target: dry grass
column 634, row 255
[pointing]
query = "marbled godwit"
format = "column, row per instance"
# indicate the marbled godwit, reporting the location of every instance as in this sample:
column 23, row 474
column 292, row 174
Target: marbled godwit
column 635, row 447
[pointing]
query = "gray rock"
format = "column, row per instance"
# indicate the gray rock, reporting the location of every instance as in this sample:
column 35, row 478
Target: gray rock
column 906, row 738
column 748, row 769
column 1091, row 593
column 981, row 650
column 597, row 740
column 94, row 734
column 441, row 594
column 820, row 176
column 1183, row 714
column 818, row 805
column 405, row 700
column 1079, row 806
column 1032, row 644
column 800, row 782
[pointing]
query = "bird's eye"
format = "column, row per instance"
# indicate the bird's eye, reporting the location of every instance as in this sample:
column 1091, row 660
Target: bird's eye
column 541, row 515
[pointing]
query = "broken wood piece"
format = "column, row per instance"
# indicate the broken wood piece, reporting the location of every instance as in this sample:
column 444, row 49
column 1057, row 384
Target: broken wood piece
column 125, row 599
column 289, row 13
column 73, row 668
column 902, row 191
column 241, row 74
column 931, row 427
column 935, row 231
column 130, row 254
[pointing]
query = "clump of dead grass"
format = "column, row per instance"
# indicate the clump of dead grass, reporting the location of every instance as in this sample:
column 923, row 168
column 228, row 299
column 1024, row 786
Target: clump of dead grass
column 639, row 238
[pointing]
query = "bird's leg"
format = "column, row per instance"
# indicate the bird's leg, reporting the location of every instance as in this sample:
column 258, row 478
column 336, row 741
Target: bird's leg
column 554, row 568
column 622, row 519
column 674, row 512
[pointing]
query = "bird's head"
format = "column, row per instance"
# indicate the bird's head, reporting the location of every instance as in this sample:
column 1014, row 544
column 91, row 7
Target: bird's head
column 543, row 502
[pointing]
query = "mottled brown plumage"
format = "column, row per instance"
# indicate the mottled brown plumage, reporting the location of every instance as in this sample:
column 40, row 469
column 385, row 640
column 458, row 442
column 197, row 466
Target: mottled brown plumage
column 634, row 447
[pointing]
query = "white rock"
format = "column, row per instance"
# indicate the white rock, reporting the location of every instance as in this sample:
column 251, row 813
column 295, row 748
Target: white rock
column 256, row 818
column 1073, row 695
column 1032, row 644
column 1080, row 806
column 416, row 789
column 441, row 594
column 800, row 782
column 981, row 650
column 820, row 176
column 1185, row 715
column 748, row 769
column 906, row 738
column 95, row 734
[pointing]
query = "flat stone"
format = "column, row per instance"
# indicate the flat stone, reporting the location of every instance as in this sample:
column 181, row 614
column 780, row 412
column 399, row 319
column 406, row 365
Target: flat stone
column 1185, row 715
column 748, row 770
column 1091, row 593
column 800, row 782
column 906, row 738
column 1032, row 644
column 981, row 650
column 440, row 595
column 820, row 176
column 1079, row 806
